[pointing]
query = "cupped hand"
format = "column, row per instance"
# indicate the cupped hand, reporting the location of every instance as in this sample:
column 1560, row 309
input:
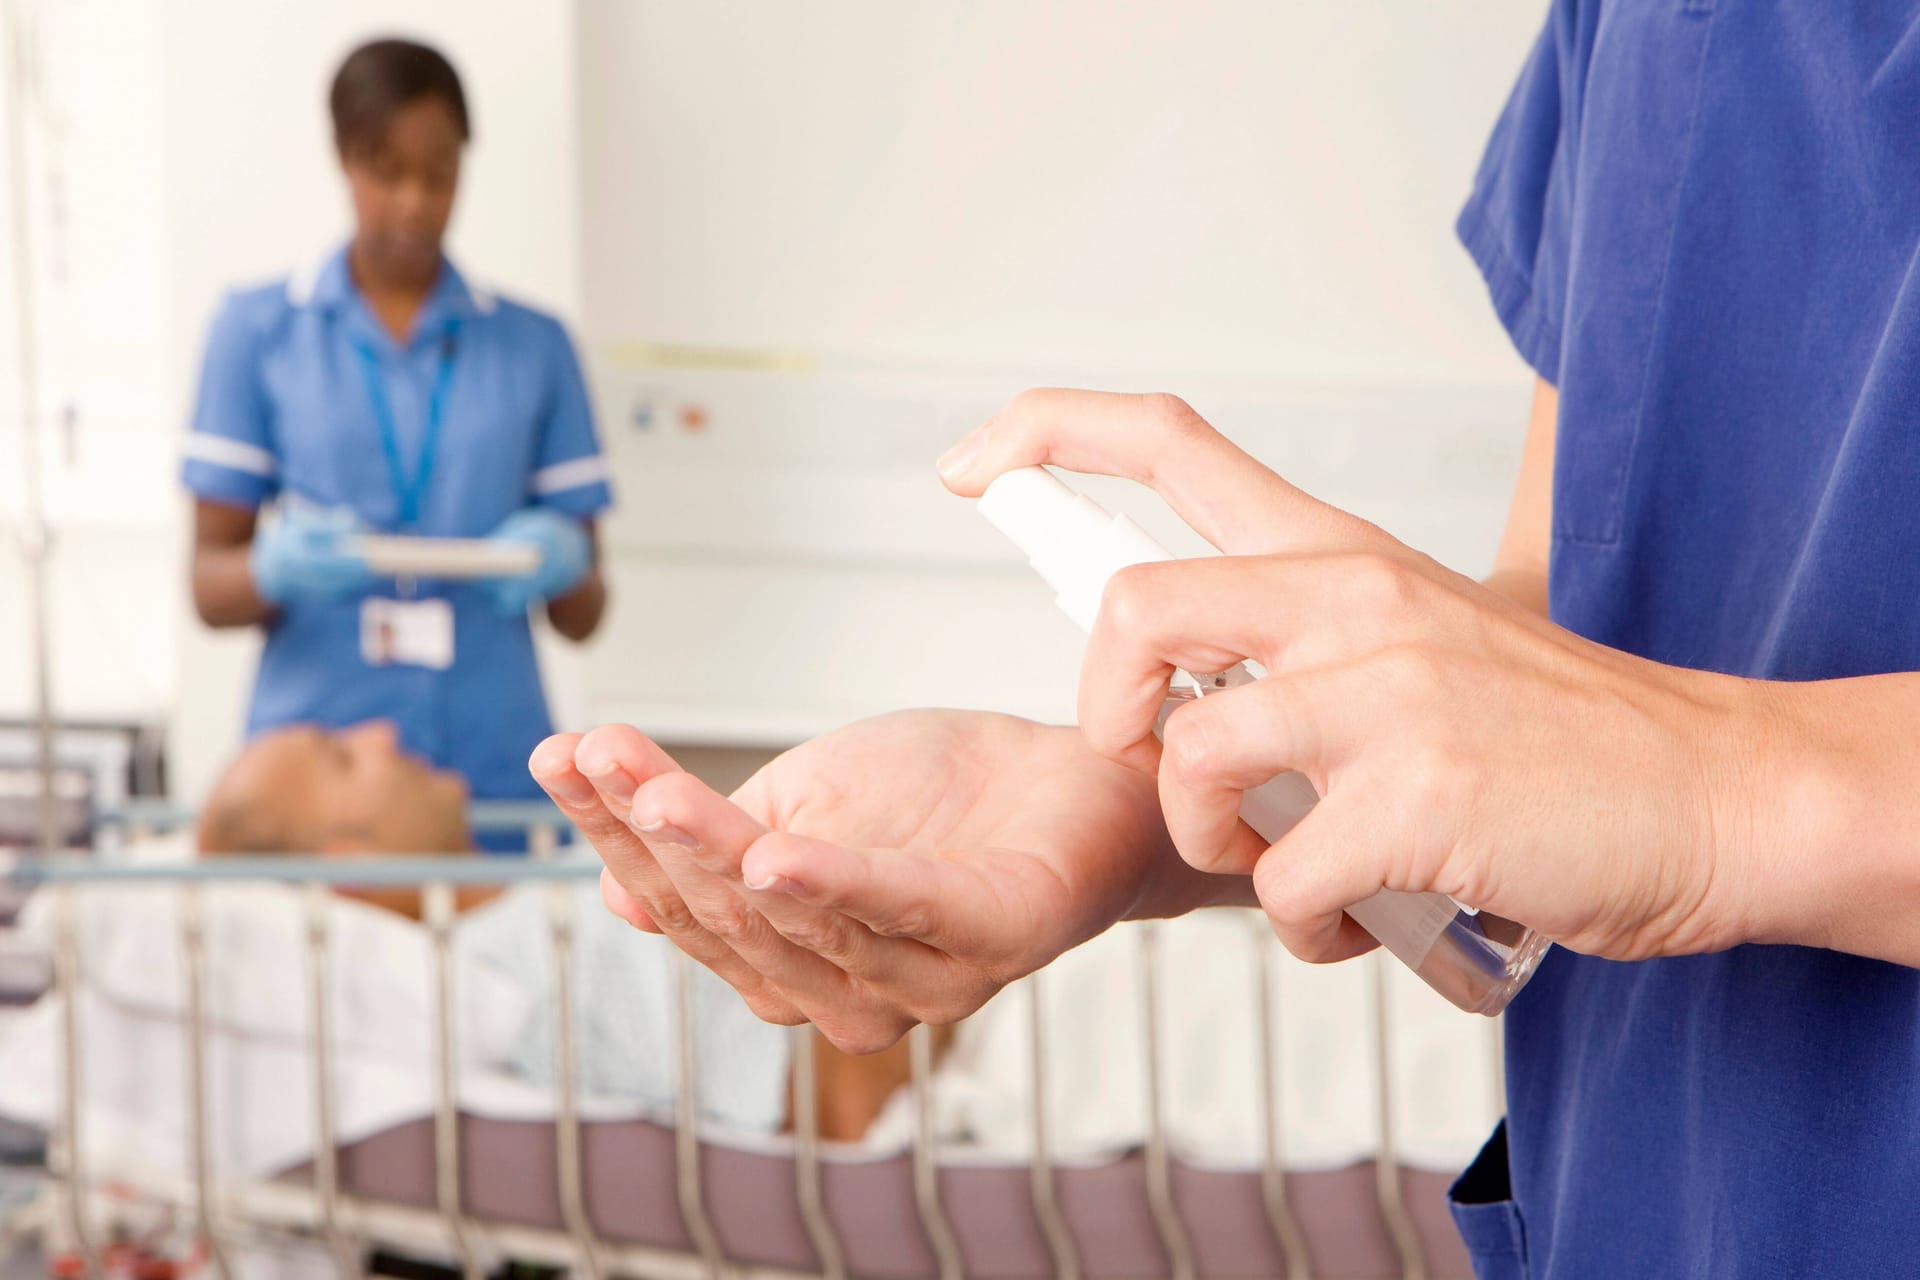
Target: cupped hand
column 899, row 870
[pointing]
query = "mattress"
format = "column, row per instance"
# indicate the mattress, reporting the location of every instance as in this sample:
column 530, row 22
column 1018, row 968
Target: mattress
column 507, row 1176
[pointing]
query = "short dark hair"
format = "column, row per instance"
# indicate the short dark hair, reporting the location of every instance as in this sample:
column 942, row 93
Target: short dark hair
column 381, row 77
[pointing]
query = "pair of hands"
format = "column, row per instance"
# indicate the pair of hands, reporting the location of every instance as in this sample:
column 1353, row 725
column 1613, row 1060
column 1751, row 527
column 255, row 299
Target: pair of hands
column 305, row 554
column 905, row 868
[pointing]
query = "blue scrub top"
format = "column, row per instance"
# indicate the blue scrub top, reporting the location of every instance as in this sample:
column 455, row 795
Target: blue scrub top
column 285, row 409
column 1701, row 222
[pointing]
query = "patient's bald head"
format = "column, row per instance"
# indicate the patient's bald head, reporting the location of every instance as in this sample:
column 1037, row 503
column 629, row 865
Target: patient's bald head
column 305, row 789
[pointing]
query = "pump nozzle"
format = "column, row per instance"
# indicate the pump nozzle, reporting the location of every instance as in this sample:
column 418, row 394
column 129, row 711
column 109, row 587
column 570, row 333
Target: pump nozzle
column 1073, row 542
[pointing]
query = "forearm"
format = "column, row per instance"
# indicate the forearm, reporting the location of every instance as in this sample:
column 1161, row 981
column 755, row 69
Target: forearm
column 576, row 615
column 1827, row 816
column 223, row 590
column 1520, row 565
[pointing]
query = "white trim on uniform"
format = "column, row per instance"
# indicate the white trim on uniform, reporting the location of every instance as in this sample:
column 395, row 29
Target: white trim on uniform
column 575, row 474
column 234, row 455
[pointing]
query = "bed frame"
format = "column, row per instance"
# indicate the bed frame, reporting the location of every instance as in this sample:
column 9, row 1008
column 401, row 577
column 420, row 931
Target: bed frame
column 637, row 1198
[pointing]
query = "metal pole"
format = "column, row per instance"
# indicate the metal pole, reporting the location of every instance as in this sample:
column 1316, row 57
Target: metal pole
column 926, row 1171
column 543, row 842
column 35, row 540
column 806, row 1163
column 686, row 1128
column 326, row 1150
column 1166, row 1214
column 1393, row 1201
column 1046, row 1198
column 567, row 1144
column 438, row 898
column 1273, row 1171
column 194, row 951
column 64, row 1158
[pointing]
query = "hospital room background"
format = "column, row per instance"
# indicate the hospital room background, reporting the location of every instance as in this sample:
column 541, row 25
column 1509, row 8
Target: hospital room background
column 801, row 249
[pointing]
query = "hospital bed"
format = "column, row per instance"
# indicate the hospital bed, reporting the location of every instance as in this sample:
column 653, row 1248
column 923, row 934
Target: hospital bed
column 655, row 1196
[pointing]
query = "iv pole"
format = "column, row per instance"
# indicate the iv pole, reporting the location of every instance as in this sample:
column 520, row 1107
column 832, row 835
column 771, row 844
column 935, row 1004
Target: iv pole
column 35, row 547
column 35, row 541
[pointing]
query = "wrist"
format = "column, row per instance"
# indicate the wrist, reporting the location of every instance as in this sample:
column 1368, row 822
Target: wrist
column 1175, row 888
column 1785, row 821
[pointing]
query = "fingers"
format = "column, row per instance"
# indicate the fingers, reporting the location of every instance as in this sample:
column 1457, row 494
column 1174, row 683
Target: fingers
column 623, row 904
column 631, row 864
column 610, row 750
column 1286, row 612
column 1196, row 615
column 701, row 838
column 862, row 991
column 894, row 893
column 1225, row 758
column 696, row 838
column 942, row 905
column 1229, row 498
column 1257, row 750
column 1343, row 940
column 1335, row 858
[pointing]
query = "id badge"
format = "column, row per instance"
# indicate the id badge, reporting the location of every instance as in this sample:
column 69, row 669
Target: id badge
column 406, row 633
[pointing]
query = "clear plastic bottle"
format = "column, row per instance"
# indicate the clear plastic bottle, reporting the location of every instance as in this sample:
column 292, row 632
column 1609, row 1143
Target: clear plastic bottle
column 1475, row 960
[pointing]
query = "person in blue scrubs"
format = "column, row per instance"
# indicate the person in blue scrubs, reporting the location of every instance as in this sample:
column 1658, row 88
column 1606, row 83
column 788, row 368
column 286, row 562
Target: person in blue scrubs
column 1677, row 730
column 382, row 392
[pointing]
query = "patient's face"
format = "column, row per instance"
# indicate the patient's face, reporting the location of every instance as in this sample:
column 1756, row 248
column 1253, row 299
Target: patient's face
column 349, row 790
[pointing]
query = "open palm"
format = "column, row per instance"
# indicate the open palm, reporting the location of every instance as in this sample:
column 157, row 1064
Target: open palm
column 901, row 869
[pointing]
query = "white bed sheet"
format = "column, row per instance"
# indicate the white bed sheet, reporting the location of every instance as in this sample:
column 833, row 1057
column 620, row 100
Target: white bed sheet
column 259, row 1067
column 1444, row 1061
column 259, row 1007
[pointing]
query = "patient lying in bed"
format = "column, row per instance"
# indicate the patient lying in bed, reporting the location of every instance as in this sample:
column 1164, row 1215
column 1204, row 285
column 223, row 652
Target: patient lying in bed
column 353, row 793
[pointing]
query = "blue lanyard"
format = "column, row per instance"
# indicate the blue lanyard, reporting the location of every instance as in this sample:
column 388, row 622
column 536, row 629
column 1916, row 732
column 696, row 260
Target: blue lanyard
column 409, row 494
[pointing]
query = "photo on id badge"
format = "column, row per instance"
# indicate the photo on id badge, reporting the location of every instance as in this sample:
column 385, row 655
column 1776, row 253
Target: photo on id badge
column 412, row 633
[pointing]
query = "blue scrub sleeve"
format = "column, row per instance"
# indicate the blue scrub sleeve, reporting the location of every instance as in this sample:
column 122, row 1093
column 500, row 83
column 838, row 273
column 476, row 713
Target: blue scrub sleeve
column 229, row 451
column 1518, row 222
column 569, row 471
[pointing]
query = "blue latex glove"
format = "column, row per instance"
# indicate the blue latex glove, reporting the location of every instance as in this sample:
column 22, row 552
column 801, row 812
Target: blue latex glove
column 300, row 556
column 565, row 556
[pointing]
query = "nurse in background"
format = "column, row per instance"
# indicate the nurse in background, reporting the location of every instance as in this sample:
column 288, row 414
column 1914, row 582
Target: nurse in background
column 380, row 392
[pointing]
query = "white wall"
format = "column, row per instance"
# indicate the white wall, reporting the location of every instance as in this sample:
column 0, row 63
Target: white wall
column 1236, row 187
column 891, row 216
column 873, row 221
column 95, row 284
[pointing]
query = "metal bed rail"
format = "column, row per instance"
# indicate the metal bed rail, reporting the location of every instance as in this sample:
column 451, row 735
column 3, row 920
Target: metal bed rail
column 346, row 1224
column 146, row 816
